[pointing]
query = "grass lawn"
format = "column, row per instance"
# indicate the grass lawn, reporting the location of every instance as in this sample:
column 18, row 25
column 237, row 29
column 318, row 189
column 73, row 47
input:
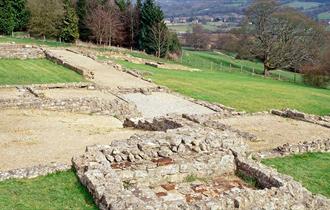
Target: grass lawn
column 311, row 169
column 38, row 71
column 55, row 191
column 304, row 5
column 324, row 16
column 240, row 91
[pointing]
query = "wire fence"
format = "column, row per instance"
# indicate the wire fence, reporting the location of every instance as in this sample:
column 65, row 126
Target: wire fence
column 248, row 70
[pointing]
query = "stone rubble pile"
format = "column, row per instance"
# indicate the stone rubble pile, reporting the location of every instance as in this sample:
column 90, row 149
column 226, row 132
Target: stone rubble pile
column 294, row 114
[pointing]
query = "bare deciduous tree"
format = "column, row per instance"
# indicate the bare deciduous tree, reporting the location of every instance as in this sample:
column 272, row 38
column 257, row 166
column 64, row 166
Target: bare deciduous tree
column 198, row 38
column 281, row 37
column 159, row 38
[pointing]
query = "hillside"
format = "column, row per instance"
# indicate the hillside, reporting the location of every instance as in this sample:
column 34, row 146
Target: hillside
column 221, row 7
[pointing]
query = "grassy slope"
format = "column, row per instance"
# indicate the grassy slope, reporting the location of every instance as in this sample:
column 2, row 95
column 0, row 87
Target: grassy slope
column 56, row 191
column 18, row 72
column 312, row 170
column 239, row 90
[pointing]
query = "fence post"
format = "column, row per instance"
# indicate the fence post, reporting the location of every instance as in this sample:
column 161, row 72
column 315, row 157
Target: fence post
column 253, row 71
column 241, row 68
column 221, row 67
column 230, row 67
column 279, row 75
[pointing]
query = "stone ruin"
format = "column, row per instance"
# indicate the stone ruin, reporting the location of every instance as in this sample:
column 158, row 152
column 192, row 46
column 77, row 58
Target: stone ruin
column 16, row 51
column 190, row 167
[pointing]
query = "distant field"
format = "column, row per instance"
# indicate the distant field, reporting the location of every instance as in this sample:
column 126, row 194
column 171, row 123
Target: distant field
column 19, row 72
column 324, row 16
column 240, row 91
column 187, row 27
column 311, row 169
column 56, row 191
column 304, row 5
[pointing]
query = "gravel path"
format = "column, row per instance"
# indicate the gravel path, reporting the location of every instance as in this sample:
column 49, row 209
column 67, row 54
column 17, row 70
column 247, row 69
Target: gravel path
column 32, row 137
column 273, row 131
column 104, row 75
column 160, row 104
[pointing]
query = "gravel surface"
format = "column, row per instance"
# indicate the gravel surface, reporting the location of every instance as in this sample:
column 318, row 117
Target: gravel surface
column 61, row 94
column 273, row 131
column 160, row 104
column 32, row 137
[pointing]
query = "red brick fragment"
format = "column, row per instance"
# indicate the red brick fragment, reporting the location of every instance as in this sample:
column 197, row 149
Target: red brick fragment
column 163, row 161
column 168, row 186
column 161, row 194
column 121, row 165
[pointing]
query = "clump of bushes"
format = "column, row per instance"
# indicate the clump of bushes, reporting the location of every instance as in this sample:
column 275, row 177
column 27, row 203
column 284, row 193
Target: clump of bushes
column 318, row 74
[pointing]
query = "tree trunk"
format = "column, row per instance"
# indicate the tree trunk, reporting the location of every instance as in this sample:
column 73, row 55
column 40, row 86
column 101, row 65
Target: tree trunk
column 266, row 70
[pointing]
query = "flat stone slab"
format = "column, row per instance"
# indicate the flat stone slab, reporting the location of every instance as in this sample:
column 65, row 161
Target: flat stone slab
column 160, row 104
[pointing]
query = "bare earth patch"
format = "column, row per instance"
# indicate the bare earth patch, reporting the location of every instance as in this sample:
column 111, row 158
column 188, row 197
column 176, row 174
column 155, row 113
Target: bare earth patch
column 32, row 137
column 76, row 93
column 273, row 131
column 8, row 93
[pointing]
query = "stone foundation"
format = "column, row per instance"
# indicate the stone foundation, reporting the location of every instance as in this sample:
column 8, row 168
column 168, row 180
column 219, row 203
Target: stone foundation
column 152, row 171
column 32, row 172
column 30, row 98
column 14, row 51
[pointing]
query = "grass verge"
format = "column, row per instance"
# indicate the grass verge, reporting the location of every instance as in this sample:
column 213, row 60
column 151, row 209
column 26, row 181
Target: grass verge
column 311, row 169
column 55, row 191
column 240, row 91
column 39, row 71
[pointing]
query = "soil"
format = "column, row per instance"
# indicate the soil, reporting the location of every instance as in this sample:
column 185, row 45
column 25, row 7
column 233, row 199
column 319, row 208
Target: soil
column 61, row 94
column 32, row 137
column 273, row 131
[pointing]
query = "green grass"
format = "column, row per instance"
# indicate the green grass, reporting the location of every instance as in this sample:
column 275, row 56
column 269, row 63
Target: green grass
column 311, row 169
column 304, row 5
column 240, row 91
column 50, row 43
column 38, row 71
column 56, row 191
column 324, row 16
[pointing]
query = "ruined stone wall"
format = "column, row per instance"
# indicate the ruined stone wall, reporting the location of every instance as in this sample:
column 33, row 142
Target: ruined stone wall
column 32, row 172
column 26, row 98
column 13, row 51
column 294, row 114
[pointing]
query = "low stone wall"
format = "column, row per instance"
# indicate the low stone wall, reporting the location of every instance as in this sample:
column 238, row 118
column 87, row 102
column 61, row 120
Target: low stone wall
column 82, row 71
column 53, row 85
column 289, row 149
column 14, row 51
column 294, row 114
column 31, row 99
column 32, row 172
column 156, row 124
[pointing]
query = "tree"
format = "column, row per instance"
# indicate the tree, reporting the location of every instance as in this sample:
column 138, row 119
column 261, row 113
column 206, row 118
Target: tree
column 151, row 16
column 318, row 73
column 82, row 10
column 103, row 20
column 69, row 28
column 281, row 37
column 13, row 15
column 198, row 38
column 159, row 39
column 137, row 24
column 46, row 17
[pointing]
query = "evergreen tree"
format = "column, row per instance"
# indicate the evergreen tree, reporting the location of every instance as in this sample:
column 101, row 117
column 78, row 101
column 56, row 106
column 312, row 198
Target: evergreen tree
column 7, row 17
column 13, row 15
column 69, row 29
column 84, row 31
column 137, row 24
column 151, row 16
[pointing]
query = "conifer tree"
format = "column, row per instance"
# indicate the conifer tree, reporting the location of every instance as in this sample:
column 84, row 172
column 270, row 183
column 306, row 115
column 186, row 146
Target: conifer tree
column 69, row 28
column 82, row 13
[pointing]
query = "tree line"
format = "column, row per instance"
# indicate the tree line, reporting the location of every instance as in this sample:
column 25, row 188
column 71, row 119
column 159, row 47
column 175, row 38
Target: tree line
column 279, row 37
column 138, row 25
